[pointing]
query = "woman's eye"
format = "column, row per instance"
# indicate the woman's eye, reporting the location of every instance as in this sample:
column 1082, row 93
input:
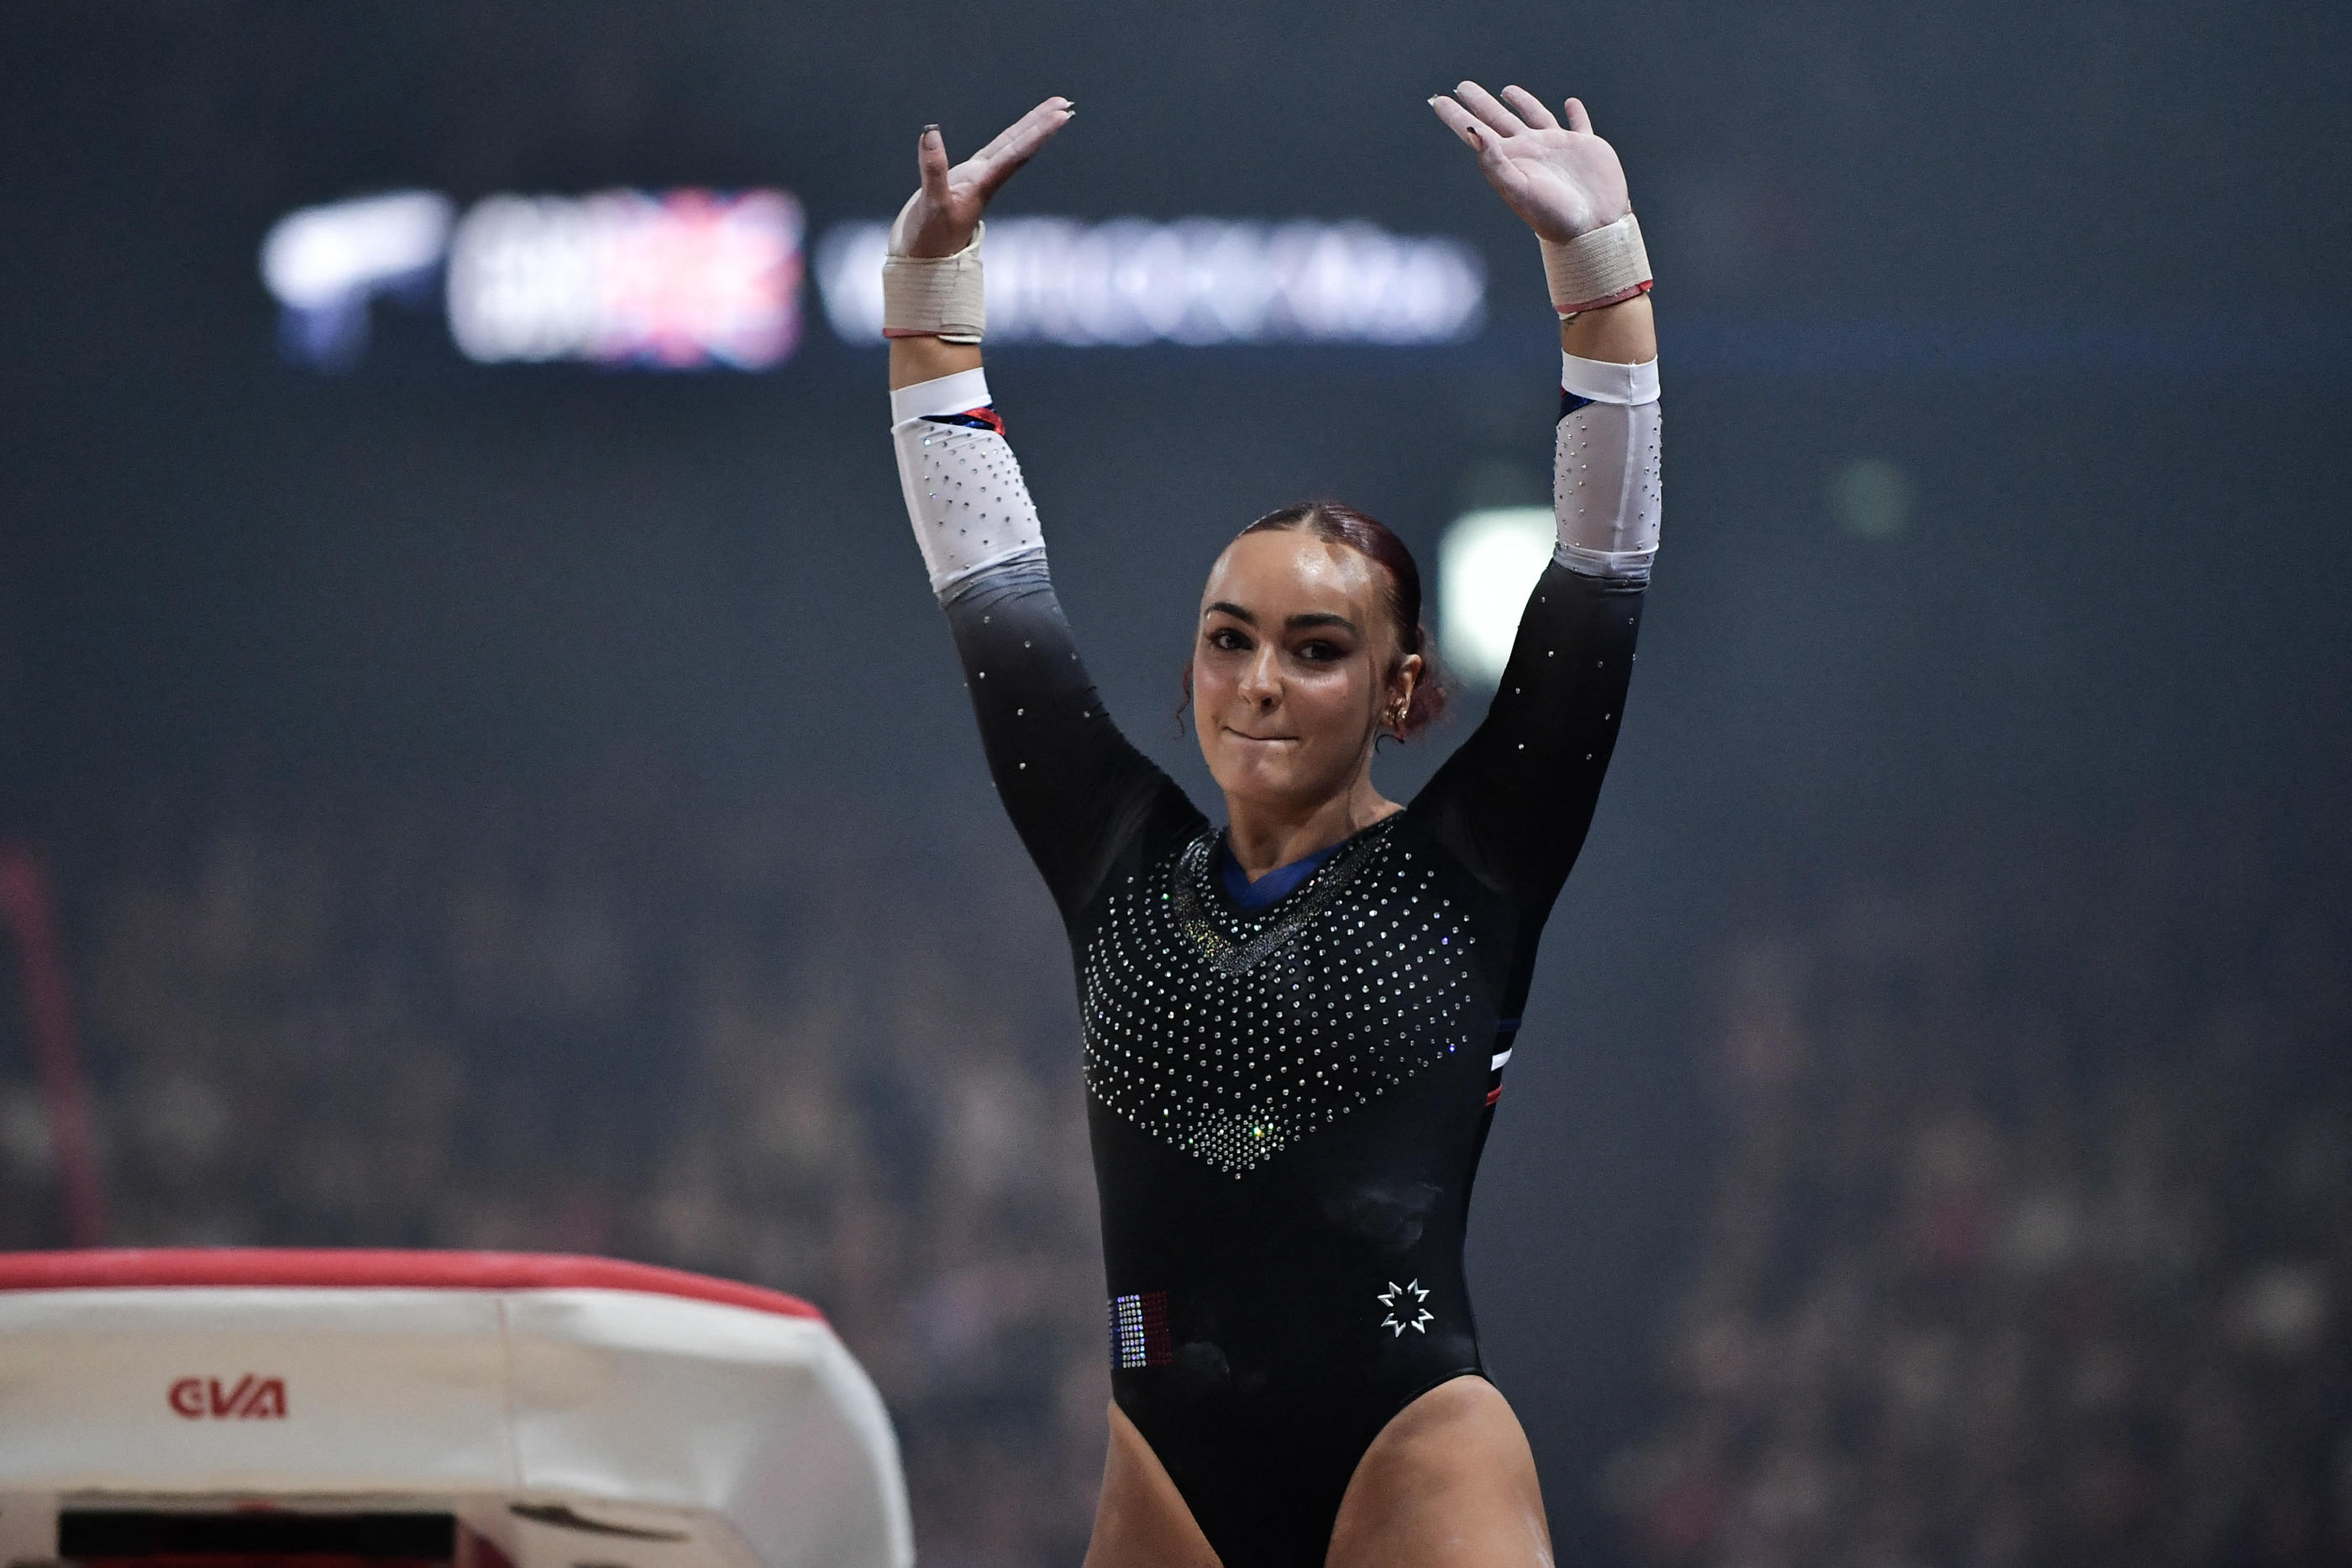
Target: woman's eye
column 1226, row 640
column 1317, row 653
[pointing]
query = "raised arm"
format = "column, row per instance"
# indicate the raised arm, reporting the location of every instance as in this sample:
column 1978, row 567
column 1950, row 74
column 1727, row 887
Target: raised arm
column 1071, row 783
column 1516, row 800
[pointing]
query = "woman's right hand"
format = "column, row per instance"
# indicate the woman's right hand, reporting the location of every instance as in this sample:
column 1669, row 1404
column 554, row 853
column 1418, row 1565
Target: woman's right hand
column 940, row 217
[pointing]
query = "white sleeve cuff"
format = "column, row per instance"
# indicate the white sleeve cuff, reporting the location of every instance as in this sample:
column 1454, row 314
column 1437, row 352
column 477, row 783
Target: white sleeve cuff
column 1599, row 380
column 945, row 394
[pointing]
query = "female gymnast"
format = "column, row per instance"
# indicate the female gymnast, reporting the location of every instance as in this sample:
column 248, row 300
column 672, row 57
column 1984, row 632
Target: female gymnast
column 1296, row 1026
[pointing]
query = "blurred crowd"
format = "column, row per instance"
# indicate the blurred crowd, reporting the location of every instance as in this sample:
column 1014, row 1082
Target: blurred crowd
column 738, row 1041
column 2031, row 1242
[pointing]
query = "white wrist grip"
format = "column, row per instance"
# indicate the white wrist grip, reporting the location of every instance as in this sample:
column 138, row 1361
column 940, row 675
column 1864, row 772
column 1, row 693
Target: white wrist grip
column 1597, row 269
column 934, row 296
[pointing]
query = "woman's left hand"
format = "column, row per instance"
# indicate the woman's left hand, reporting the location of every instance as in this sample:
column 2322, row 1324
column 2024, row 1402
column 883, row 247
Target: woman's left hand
column 1563, row 180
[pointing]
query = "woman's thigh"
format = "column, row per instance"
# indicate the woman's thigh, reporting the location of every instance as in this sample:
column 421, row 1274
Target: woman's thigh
column 1450, row 1480
column 1141, row 1520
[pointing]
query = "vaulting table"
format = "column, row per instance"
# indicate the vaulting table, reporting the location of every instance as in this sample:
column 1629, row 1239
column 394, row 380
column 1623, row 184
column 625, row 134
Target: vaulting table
column 197, row 1408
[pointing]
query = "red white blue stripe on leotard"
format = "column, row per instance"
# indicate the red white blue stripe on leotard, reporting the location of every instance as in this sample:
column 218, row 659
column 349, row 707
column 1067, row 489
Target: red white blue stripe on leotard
column 981, row 418
column 1505, row 1030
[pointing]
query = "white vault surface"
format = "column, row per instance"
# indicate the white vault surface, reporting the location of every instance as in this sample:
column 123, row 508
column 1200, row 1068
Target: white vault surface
column 565, row 1413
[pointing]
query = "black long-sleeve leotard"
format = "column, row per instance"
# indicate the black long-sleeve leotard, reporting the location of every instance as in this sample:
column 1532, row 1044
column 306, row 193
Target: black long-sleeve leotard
column 1287, row 1105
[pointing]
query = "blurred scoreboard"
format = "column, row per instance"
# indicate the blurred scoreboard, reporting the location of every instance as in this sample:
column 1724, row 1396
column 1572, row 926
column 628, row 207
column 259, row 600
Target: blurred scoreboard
column 694, row 279
column 675, row 281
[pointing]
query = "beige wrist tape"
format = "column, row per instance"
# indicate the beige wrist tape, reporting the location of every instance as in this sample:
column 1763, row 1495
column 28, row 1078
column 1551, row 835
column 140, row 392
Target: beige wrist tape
column 935, row 297
column 1597, row 269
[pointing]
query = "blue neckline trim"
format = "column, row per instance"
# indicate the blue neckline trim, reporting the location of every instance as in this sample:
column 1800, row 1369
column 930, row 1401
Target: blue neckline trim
column 1276, row 885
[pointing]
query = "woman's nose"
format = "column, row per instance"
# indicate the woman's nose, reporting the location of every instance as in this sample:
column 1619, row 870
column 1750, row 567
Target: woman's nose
column 1261, row 681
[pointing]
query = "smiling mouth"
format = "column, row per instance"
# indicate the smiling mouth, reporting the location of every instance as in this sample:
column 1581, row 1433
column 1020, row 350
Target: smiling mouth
column 1262, row 739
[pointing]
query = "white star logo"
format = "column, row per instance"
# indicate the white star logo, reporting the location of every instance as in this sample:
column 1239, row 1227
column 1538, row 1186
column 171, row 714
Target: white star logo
column 1416, row 1317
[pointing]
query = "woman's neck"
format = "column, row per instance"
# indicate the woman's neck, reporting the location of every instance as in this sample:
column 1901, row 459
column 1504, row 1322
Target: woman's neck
column 1265, row 836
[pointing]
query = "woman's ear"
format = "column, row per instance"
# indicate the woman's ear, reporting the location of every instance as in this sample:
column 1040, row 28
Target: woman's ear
column 1397, row 701
column 1408, row 678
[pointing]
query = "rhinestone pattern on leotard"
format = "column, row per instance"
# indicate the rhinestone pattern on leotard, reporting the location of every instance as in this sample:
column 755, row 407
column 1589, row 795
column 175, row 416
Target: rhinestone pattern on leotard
column 1233, row 1035
column 1605, row 488
column 969, row 503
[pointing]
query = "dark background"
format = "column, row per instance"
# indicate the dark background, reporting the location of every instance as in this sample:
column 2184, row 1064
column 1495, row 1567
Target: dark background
column 2077, row 271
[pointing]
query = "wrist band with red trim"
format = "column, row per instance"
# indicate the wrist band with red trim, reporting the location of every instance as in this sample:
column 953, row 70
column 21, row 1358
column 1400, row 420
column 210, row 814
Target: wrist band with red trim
column 1599, row 269
column 936, row 296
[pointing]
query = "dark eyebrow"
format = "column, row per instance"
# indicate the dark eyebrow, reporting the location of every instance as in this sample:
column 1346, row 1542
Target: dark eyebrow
column 1296, row 622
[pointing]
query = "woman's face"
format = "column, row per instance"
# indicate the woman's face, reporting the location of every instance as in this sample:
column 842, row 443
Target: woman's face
column 1291, row 670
